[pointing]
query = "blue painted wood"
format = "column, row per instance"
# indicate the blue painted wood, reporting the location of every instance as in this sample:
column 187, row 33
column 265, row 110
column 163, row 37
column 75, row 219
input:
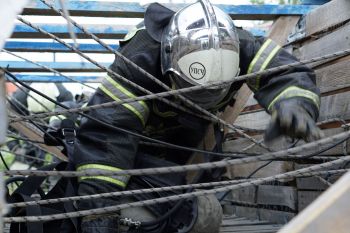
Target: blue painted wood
column 135, row 10
column 314, row 2
column 24, row 46
column 22, row 66
column 51, row 78
column 102, row 31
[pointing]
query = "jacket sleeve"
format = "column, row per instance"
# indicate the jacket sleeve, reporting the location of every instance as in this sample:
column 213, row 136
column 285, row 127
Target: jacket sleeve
column 259, row 54
column 102, row 148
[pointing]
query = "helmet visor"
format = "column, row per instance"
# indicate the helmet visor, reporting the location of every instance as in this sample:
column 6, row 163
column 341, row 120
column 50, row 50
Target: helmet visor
column 200, row 48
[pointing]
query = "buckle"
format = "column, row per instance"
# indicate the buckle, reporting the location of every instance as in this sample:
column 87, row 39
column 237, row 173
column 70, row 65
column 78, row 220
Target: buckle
column 130, row 222
column 69, row 134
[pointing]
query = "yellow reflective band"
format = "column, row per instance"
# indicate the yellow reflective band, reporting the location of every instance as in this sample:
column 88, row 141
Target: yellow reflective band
column 128, row 106
column 10, row 139
column 125, row 91
column 266, row 63
column 98, row 166
column 295, row 91
column 131, row 34
column 104, row 178
column 257, row 56
column 269, row 58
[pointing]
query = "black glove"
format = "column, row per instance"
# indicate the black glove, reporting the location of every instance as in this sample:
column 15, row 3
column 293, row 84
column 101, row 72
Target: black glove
column 294, row 117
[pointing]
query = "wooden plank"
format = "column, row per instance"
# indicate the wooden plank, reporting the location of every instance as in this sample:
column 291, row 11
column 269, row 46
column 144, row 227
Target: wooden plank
column 314, row 2
column 326, row 16
column 274, row 168
column 23, row 66
column 275, row 216
column 334, row 42
column 334, row 77
column 331, row 106
column 251, row 229
column 282, row 27
column 282, row 143
column 314, row 183
column 247, row 195
column 305, row 198
column 277, row 195
column 229, row 115
column 52, row 78
column 25, row 46
column 103, row 31
column 310, row 183
column 136, row 10
column 327, row 214
column 257, row 120
column 229, row 222
column 247, row 212
column 27, row 130
column 335, row 106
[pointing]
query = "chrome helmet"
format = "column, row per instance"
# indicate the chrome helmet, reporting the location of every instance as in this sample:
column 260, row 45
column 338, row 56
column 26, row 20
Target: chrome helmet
column 200, row 45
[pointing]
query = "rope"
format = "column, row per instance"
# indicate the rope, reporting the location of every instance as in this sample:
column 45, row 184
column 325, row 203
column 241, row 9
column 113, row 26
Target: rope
column 183, row 90
column 111, row 209
column 289, row 153
column 160, row 189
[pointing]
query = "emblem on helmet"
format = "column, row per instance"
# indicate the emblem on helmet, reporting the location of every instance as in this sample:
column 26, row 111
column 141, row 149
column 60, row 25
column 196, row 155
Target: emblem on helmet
column 197, row 70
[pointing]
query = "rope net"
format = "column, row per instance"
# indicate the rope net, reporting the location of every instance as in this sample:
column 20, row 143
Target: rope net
column 30, row 148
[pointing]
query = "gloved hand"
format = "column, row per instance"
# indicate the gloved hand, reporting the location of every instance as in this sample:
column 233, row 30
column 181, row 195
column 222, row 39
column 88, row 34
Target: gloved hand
column 294, row 117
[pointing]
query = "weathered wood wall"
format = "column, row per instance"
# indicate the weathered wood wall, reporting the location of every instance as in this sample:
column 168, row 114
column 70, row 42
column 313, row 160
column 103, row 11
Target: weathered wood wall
column 324, row 30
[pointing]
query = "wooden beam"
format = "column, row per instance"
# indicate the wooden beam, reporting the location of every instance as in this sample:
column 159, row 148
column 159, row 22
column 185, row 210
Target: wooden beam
column 282, row 27
column 331, row 106
column 230, row 114
column 103, row 31
column 244, row 170
column 328, row 213
column 22, row 66
column 334, row 77
column 58, row 79
column 326, row 16
column 277, row 195
column 30, row 132
column 25, row 46
column 334, row 42
column 135, row 10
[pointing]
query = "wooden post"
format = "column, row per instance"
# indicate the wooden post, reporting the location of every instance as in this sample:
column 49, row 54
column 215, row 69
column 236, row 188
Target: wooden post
column 230, row 115
column 3, row 209
column 3, row 109
column 328, row 213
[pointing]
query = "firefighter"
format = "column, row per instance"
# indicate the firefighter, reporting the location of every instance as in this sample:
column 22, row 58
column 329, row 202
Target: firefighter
column 26, row 101
column 197, row 45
